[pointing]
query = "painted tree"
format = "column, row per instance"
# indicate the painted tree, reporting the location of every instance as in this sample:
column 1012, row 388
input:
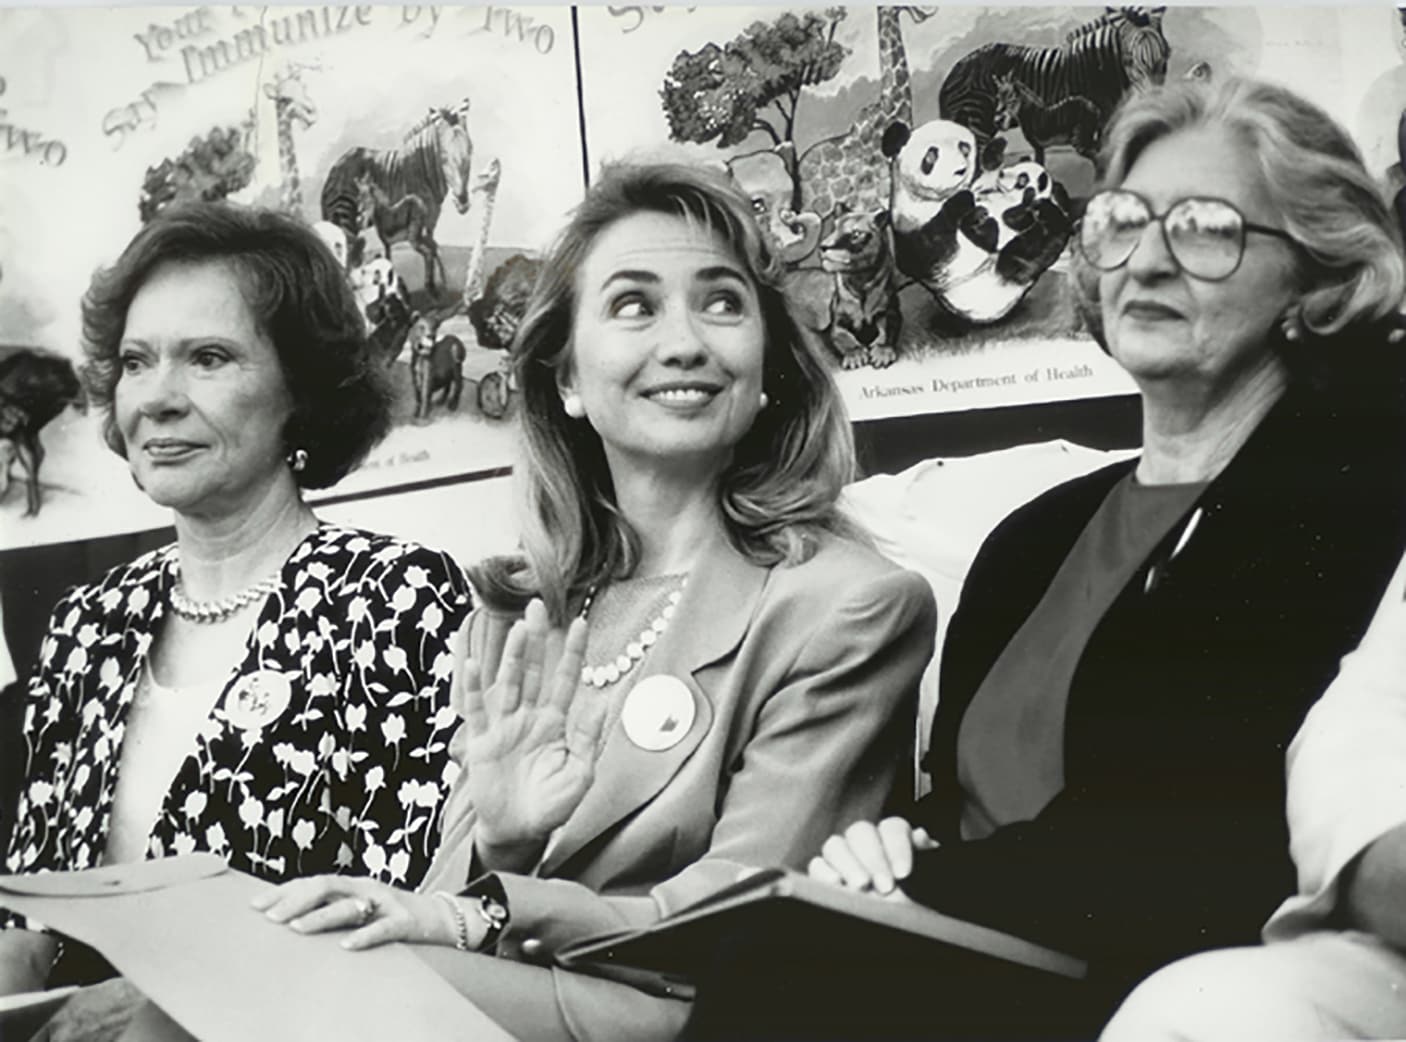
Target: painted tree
column 210, row 168
column 752, row 84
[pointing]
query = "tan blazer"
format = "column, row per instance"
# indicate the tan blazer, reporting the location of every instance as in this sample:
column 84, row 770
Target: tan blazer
column 804, row 680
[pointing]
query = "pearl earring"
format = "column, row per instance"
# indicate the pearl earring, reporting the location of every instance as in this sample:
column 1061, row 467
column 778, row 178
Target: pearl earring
column 765, row 401
column 571, row 405
column 1289, row 325
column 298, row 460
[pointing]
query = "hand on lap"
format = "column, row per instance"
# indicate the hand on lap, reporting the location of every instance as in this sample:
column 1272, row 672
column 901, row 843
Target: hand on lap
column 375, row 913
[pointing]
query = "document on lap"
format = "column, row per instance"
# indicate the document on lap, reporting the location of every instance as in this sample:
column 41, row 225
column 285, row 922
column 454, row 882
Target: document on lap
column 813, row 916
column 181, row 929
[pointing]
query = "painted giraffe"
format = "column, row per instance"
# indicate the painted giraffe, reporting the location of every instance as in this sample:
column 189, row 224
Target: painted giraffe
column 291, row 102
column 486, row 188
column 851, row 167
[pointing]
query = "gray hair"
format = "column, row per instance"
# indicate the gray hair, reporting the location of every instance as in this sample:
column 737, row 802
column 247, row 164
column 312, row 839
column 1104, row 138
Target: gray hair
column 1352, row 265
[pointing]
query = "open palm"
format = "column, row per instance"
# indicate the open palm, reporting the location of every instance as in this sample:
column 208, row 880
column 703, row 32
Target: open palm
column 529, row 757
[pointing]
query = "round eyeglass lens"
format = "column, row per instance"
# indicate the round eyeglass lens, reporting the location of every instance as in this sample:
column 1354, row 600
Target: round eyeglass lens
column 1206, row 236
column 1112, row 225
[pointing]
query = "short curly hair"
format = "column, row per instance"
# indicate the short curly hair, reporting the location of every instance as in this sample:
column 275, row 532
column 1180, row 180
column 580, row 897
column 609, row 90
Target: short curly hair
column 1353, row 272
column 300, row 298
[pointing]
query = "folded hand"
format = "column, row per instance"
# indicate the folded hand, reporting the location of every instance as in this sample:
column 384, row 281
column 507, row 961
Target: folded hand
column 869, row 856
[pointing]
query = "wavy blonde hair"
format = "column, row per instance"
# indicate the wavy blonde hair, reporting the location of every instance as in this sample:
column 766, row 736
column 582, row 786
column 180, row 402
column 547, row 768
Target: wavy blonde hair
column 781, row 488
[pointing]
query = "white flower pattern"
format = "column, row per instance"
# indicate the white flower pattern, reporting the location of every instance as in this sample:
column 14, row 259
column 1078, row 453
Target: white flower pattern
column 316, row 787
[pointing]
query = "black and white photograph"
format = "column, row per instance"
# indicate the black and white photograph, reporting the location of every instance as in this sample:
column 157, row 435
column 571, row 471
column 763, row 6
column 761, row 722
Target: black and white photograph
column 702, row 522
column 396, row 133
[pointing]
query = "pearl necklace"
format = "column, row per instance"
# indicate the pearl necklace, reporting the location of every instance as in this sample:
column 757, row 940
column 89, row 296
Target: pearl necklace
column 219, row 610
column 612, row 671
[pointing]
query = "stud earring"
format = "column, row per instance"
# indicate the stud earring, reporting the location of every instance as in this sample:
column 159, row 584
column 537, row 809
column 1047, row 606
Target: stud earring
column 1289, row 326
column 765, row 401
column 298, row 460
column 571, row 405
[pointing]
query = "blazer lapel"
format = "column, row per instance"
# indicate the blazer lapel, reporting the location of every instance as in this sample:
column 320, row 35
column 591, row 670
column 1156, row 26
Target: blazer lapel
column 712, row 617
column 129, row 616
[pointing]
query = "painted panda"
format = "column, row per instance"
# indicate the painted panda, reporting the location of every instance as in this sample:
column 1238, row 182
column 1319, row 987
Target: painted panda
column 1005, row 191
column 1012, row 181
column 932, row 171
column 979, row 253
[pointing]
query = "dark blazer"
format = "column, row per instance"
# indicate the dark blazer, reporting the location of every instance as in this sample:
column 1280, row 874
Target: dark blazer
column 1169, row 836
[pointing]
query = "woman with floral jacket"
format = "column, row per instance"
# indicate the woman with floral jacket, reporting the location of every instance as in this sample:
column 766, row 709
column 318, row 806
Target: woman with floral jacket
column 269, row 688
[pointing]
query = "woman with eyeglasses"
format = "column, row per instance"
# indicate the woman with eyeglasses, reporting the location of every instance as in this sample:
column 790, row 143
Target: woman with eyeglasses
column 1135, row 649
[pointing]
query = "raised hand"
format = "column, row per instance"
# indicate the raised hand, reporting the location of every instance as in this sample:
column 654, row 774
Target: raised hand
column 870, row 857
column 529, row 751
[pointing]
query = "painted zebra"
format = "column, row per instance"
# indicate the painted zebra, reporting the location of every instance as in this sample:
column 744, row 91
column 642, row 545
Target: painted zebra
column 1099, row 61
column 432, row 162
column 1074, row 121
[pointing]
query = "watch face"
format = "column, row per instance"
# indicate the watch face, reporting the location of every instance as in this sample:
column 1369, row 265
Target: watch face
column 494, row 911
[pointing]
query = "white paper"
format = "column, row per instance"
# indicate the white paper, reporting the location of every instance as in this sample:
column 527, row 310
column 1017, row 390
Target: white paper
column 225, row 973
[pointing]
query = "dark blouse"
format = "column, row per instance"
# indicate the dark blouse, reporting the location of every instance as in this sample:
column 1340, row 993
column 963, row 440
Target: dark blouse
column 1010, row 750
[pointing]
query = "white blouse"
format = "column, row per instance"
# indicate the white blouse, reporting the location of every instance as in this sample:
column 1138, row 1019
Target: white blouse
column 161, row 729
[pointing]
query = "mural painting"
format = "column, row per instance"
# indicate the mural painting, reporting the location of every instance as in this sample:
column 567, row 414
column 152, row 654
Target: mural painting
column 398, row 132
column 921, row 169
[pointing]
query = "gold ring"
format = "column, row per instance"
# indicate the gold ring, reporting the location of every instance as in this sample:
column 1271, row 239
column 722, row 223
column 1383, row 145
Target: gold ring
column 365, row 909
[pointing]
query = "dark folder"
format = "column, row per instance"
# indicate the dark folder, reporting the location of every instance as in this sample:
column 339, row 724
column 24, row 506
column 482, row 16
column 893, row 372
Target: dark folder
column 667, row 956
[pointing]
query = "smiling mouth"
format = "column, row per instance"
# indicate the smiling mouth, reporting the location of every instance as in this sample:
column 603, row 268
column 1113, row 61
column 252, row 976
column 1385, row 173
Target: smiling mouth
column 684, row 395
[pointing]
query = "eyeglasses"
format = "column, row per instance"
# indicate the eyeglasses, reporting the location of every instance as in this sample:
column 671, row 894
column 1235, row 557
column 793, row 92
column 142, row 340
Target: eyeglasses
column 1205, row 235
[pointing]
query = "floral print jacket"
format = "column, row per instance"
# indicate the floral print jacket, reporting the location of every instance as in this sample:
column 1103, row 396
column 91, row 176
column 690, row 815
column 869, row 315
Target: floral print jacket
column 326, row 750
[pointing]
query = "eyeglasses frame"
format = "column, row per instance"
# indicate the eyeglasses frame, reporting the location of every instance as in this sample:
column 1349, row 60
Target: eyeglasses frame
column 1161, row 221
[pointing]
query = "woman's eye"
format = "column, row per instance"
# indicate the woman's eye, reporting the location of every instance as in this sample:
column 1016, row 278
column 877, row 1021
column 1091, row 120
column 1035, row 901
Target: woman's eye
column 210, row 358
column 725, row 302
column 630, row 305
column 130, row 363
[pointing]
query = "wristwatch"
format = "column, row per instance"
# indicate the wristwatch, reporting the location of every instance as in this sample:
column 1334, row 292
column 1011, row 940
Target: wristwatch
column 491, row 903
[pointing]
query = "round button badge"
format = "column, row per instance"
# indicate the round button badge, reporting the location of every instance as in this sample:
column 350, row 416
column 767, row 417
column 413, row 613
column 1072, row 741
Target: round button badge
column 258, row 699
column 658, row 712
